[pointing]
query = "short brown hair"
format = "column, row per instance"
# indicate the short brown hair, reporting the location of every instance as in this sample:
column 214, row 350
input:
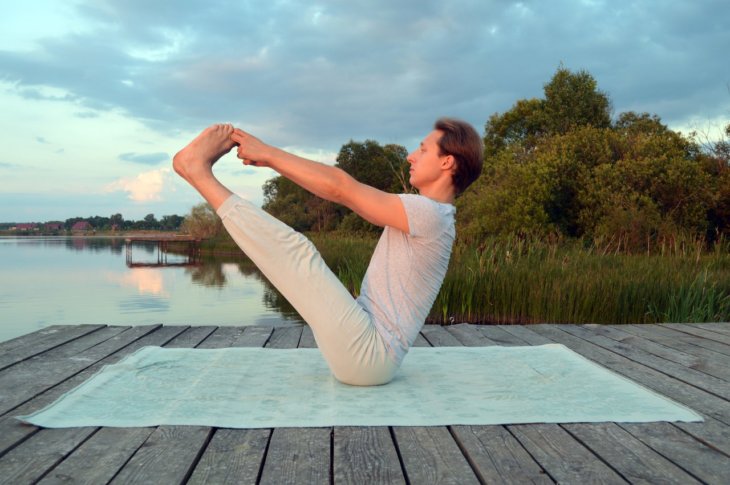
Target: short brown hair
column 461, row 141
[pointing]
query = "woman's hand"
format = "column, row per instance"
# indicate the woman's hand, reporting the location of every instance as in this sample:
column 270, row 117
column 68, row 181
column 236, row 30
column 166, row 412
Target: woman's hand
column 251, row 150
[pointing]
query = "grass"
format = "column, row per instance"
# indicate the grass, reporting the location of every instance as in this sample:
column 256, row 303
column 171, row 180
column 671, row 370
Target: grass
column 516, row 282
column 513, row 281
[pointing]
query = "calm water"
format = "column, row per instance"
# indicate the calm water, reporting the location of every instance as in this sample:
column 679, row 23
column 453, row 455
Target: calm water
column 49, row 281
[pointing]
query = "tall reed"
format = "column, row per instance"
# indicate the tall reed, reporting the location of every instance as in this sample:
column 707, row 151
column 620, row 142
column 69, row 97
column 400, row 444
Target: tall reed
column 515, row 280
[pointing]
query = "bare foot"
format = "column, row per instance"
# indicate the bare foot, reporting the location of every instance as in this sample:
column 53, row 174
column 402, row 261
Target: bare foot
column 196, row 160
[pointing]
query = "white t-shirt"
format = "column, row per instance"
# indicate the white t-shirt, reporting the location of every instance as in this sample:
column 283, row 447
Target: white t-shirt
column 406, row 272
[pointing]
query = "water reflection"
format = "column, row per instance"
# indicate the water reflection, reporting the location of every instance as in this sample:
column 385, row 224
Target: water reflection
column 212, row 273
column 145, row 280
column 113, row 245
column 207, row 273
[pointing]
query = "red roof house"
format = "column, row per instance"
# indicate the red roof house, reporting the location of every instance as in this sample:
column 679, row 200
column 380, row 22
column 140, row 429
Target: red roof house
column 81, row 226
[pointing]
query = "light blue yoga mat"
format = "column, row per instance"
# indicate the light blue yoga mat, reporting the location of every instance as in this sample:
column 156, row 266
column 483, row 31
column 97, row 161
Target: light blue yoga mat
column 266, row 388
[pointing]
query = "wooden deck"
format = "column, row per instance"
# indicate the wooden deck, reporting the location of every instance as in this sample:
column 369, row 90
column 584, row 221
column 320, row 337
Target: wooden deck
column 163, row 243
column 689, row 363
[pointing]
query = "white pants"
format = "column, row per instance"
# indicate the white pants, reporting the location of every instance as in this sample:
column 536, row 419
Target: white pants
column 345, row 334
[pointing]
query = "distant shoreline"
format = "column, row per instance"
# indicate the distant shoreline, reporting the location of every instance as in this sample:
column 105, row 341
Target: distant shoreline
column 90, row 234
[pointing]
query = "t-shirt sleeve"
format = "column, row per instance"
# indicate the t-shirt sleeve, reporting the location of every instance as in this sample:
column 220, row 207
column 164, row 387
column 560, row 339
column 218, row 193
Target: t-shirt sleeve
column 424, row 217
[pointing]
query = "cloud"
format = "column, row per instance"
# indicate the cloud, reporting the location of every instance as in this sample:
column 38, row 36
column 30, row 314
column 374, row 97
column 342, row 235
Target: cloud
column 87, row 114
column 318, row 75
column 145, row 187
column 145, row 158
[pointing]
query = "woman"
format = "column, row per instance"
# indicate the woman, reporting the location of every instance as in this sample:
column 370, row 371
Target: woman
column 363, row 340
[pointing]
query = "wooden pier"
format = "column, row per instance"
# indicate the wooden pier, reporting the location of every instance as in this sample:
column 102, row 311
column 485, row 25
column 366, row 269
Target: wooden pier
column 163, row 243
column 689, row 363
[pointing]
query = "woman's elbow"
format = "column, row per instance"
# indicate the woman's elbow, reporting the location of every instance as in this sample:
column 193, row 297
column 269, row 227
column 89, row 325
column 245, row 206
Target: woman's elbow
column 339, row 187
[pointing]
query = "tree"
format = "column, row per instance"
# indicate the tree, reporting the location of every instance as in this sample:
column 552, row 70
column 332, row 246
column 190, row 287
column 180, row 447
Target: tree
column 116, row 220
column 171, row 222
column 150, row 222
column 571, row 100
column 383, row 167
column 634, row 181
column 202, row 222
column 520, row 126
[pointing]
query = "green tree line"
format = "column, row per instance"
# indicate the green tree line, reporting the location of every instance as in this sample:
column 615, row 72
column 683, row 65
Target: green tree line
column 117, row 222
column 560, row 166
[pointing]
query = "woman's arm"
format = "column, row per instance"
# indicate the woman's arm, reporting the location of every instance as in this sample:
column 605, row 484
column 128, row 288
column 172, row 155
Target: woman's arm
column 330, row 183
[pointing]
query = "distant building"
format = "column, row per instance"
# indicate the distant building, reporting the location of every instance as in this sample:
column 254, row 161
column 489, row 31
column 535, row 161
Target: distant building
column 26, row 227
column 53, row 226
column 81, row 226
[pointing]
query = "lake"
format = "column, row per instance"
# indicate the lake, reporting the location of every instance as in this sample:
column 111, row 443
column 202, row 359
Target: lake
column 86, row 280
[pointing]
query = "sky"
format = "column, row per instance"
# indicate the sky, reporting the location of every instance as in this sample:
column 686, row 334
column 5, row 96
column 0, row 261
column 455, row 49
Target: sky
column 96, row 96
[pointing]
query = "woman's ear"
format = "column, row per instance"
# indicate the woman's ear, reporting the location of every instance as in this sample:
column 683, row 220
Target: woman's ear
column 448, row 162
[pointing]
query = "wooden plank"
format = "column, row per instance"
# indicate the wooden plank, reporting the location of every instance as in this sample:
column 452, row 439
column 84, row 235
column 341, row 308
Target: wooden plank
column 707, row 361
column 675, row 340
column 107, row 451
column 561, row 456
column 233, row 456
column 307, row 340
column 525, row 334
column 699, row 332
column 285, row 337
column 365, row 455
column 22, row 340
column 79, row 345
column 421, row 341
column 705, row 463
column 298, row 455
column 619, row 334
column 30, row 461
column 496, row 456
column 696, row 340
column 430, row 455
column 633, row 460
column 439, row 337
column 52, row 331
column 36, row 343
column 222, row 337
column 719, row 327
column 167, row 456
column 13, row 431
column 692, row 377
column 33, row 376
column 191, row 337
column 500, row 336
column 254, row 336
column 468, row 335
